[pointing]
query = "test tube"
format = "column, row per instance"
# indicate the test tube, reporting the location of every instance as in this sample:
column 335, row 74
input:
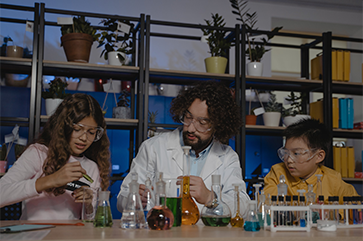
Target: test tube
column 295, row 219
column 288, row 213
column 275, row 214
column 302, row 220
column 281, row 214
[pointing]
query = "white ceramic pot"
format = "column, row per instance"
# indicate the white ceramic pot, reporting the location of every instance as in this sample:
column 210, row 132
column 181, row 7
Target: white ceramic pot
column 51, row 105
column 271, row 118
column 254, row 69
column 121, row 112
column 114, row 58
column 288, row 120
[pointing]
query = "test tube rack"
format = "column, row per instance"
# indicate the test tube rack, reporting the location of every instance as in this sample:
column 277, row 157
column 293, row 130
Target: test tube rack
column 309, row 223
column 274, row 228
column 339, row 207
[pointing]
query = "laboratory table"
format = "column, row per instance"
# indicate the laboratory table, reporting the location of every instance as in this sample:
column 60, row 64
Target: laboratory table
column 197, row 232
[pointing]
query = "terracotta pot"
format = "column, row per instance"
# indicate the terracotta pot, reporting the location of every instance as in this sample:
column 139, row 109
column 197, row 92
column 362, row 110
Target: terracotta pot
column 216, row 65
column 251, row 119
column 14, row 51
column 77, row 46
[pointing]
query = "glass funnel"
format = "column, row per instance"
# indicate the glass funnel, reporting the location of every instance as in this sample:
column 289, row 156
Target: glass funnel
column 216, row 212
column 190, row 211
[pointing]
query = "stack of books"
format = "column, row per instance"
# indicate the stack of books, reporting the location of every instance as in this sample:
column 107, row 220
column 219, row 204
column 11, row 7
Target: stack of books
column 344, row 161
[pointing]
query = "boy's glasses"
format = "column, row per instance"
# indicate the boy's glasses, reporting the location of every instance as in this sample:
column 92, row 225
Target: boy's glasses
column 93, row 133
column 200, row 124
column 296, row 155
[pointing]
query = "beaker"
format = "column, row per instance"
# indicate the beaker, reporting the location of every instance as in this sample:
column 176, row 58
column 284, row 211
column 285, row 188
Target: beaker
column 103, row 216
column 237, row 220
column 252, row 224
column 215, row 212
column 160, row 217
column 173, row 198
column 133, row 213
column 190, row 211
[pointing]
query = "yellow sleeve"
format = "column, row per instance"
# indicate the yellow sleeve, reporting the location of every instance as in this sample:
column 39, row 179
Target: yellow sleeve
column 271, row 180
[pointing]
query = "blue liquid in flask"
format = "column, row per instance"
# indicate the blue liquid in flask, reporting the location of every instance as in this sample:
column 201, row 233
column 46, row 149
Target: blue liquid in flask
column 251, row 226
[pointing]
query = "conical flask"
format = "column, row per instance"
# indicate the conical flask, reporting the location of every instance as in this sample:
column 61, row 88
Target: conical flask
column 252, row 223
column 133, row 214
column 103, row 216
column 216, row 212
column 237, row 220
column 160, row 217
column 190, row 211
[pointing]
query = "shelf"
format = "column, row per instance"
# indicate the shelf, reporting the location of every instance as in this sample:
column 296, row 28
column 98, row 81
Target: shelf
column 15, row 65
column 350, row 88
column 185, row 77
column 87, row 70
column 12, row 121
column 112, row 123
column 264, row 130
column 283, row 83
column 346, row 179
column 345, row 133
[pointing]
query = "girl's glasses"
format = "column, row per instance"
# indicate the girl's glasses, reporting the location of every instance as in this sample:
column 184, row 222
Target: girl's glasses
column 93, row 133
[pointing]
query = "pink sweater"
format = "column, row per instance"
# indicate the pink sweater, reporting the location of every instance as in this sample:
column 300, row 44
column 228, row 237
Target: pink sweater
column 18, row 184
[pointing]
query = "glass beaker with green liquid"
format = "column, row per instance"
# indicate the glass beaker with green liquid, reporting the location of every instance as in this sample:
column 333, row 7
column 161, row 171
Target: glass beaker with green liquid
column 103, row 216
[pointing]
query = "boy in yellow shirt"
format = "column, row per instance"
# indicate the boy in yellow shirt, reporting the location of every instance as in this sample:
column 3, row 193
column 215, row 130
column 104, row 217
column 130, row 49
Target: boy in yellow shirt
column 307, row 146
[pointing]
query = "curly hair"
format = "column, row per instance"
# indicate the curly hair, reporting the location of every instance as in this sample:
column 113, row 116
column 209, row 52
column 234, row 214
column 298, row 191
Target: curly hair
column 57, row 132
column 222, row 108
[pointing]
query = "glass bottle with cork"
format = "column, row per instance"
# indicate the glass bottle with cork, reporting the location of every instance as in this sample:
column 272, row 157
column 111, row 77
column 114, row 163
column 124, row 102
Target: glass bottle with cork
column 190, row 211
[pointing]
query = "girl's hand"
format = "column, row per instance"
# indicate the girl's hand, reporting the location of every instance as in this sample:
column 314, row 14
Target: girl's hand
column 68, row 173
column 83, row 192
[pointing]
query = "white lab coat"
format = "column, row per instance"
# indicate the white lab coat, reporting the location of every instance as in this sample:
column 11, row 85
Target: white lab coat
column 163, row 153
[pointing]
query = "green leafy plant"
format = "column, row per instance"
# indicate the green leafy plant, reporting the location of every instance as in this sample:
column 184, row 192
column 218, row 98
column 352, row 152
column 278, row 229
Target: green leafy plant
column 272, row 104
column 217, row 42
column 296, row 102
column 124, row 99
column 112, row 40
column 3, row 150
column 255, row 50
column 152, row 116
column 56, row 89
column 80, row 25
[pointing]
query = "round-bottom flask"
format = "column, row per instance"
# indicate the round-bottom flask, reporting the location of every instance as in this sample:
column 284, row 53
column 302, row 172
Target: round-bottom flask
column 216, row 212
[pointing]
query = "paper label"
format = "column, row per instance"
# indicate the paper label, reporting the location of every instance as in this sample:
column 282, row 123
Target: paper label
column 123, row 27
column 29, row 26
column 65, row 21
column 259, row 111
column 15, row 130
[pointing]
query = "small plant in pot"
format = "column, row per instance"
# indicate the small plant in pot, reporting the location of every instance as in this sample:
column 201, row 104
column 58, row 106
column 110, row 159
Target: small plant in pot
column 272, row 114
column 152, row 118
column 218, row 45
column 116, row 44
column 296, row 112
column 54, row 95
column 77, row 39
column 123, row 110
column 255, row 50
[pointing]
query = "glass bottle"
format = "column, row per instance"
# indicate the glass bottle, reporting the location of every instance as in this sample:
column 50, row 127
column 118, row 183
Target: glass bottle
column 252, row 224
column 310, row 195
column 237, row 220
column 103, row 216
column 160, row 217
column 282, row 186
column 148, row 196
column 190, row 211
column 133, row 213
column 215, row 212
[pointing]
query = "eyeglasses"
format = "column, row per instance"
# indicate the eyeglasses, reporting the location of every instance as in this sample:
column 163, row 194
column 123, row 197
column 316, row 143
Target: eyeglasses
column 296, row 155
column 200, row 124
column 93, row 133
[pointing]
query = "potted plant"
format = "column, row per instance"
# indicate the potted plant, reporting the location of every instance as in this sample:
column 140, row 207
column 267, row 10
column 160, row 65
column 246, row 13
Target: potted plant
column 122, row 110
column 77, row 39
column 296, row 112
column 152, row 118
column 3, row 161
column 116, row 44
column 218, row 44
column 54, row 95
column 255, row 50
column 272, row 114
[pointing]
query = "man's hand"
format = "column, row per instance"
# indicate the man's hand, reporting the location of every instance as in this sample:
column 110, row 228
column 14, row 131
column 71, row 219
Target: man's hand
column 198, row 190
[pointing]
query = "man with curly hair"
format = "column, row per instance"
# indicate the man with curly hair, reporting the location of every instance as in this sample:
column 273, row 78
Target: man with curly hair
column 210, row 117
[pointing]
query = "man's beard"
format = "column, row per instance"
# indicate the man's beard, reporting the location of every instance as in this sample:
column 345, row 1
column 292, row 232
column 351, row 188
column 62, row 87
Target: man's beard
column 200, row 145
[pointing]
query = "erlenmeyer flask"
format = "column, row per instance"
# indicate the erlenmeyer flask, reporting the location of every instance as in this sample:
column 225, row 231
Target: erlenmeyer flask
column 160, row 217
column 216, row 212
column 190, row 211
column 252, row 223
column 236, row 220
column 133, row 213
column 103, row 216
